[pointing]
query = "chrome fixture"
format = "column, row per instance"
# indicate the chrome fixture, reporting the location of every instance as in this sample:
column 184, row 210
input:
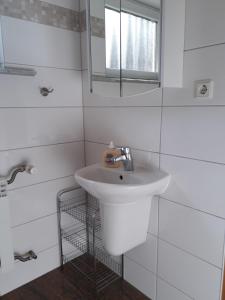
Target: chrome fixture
column 20, row 169
column 25, row 257
column 46, row 91
column 125, row 157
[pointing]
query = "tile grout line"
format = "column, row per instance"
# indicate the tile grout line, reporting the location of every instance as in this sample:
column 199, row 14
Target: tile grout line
column 166, row 154
column 158, row 208
column 39, row 183
column 222, row 273
column 155, row 106
column 193, row 208
column 42, row 146
column 41, row 107
column 189, row 253
column 203, row 47
column 34, row 220
column 158, row 277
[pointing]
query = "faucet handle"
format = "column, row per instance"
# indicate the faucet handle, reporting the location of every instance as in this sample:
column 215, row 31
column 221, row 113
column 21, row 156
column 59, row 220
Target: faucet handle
column 125, row 150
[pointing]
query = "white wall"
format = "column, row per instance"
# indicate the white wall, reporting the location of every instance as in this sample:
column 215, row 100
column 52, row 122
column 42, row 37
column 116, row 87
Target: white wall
column 45, row 132
column 183, row 258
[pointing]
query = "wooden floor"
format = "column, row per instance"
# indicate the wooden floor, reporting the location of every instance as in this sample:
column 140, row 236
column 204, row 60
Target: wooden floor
column 70, row 285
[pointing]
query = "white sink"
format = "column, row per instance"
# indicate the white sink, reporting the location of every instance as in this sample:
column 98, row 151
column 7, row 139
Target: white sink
column 125, row 202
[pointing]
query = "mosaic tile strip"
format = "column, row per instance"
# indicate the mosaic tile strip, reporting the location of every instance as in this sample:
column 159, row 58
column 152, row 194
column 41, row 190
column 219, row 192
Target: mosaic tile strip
column 41, row 12
column 97, row 25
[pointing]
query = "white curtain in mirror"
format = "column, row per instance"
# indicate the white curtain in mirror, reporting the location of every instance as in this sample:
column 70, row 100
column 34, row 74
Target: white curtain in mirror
column 139, row 42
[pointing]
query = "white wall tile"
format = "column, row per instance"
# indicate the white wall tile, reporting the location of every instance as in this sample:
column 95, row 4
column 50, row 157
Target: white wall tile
column 38, row 235
column 194, row 277
column 152, row 98
column 84, row 51
column 29, row 43
column 141, row 158
column 167, row 292
column 24, row 272
column 136, row 127
column 198, row 233
column 67, row 86
column 204, row 23
column 195, row 132
column 34, row 127
column 51, row 162
column 196, row 184
column 142, row 279
column 199, row 64
column 145, row 254
column 153, row 221
column 39, row 200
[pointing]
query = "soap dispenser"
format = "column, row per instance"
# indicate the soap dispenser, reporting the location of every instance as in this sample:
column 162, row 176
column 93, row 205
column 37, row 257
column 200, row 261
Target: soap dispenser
column 111, row 152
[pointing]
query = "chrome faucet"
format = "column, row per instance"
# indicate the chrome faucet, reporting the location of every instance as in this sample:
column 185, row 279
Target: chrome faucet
column 125, row 157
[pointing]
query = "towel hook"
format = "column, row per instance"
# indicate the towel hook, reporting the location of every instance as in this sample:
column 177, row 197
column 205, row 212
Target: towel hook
column 46, row 91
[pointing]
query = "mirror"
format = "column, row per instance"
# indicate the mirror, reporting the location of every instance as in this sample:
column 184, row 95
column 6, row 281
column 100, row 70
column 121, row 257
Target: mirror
column 124, row 46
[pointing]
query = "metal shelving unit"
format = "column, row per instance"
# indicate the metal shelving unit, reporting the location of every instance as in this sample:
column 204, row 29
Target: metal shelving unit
column 84, row 236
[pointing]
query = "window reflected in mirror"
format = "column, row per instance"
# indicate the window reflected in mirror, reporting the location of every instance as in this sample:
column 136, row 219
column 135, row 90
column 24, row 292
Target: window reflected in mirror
column 126, row 61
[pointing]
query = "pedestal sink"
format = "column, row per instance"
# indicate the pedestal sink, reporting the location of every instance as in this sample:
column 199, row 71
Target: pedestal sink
column 125, row 202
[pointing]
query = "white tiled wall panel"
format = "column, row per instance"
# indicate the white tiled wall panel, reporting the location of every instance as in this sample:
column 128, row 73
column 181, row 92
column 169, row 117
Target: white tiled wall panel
column 141, row 158
column 145, row 254
column 190, row 220
column 204, row 23
column 51, row 162
column 34, row 127
column 200, row 64
column 196, row 278
column 196, row 184
column 30, row 43
column 140, row 277
column 39, row 200
column 195, row 132
column 198, row 233
column 153, row 221
column 46, row 132
column 123, row 126
column 84, row 58
column 67, row 87
column 37, row 235
column 167, row 292
column 22, row 273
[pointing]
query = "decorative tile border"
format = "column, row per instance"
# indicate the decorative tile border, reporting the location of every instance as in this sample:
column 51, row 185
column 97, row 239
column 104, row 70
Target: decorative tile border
column 41, row 12
column 49, row 14
column 97, row 25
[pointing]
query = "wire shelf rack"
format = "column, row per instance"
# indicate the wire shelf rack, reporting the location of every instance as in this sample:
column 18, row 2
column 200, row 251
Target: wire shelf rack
column 85, row 236
column 83, row 210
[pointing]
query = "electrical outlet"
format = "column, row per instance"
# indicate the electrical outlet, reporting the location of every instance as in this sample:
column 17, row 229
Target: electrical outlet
column 204, row 88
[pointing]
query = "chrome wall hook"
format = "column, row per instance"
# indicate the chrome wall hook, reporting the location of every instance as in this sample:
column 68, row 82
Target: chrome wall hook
column 46, row 91
column 25, row 257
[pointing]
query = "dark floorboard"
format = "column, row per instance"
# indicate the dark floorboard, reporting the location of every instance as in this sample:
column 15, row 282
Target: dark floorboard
column 70, row 285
